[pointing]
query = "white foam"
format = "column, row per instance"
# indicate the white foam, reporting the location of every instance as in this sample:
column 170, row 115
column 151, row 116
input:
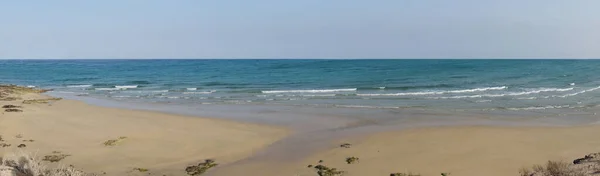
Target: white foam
column 483, row 101
column 577, row 93
column 159, row 91
column 381, row 87
column 30, row 86
column 308, row 91
column 572, row 84
column 319, row 95
column 107, row 89
column 365, row 106
column 126, row 87
column 536, row 91
column 539, row 107
column 438, row 92
column 80, row 86
column 205, row 92
column 191, row 88
column 477, row 89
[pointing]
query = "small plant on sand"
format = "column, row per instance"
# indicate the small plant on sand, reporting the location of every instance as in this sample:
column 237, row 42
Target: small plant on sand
column 113, row 142
column 346, row 145
column 327, row 171
column 553, row 168
column 4, row 145
column 201, row 167
column 352, row 160
column 19, row 136
column 22, row 145
column 404, row 174
column 445, row 174
column 55, row 157
column 140, row 169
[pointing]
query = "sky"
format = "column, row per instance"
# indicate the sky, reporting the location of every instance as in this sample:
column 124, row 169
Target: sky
column 130, row 29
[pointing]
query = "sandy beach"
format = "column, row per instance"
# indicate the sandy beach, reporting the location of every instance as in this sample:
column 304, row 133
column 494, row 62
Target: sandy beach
column 165, row 144
column 162, row 143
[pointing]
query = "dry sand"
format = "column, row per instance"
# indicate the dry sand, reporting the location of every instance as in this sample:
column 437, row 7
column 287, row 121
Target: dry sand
column 162, row 143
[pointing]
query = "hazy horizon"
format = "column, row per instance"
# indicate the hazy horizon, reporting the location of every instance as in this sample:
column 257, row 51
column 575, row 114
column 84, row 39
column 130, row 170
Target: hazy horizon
column 311, row 29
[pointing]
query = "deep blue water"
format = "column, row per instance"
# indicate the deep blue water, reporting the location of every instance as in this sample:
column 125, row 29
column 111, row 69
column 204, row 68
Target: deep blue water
column 508, row 85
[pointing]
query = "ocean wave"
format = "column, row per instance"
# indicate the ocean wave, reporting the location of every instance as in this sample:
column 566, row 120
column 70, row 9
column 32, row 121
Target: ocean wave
column 319, row 95
column 107, row 89
column 191, row 88
column 540, row 107
column 536, row 91
column 127, row 87
column 365, row 106
column 483, row 101
column 205, row 92
column 80, row 86
column 124, row 96
column 437, row 92
column 308, row 91
column 577, row 93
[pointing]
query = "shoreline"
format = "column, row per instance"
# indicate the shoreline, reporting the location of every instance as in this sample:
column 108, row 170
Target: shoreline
column 383, row 146
column 113, row 141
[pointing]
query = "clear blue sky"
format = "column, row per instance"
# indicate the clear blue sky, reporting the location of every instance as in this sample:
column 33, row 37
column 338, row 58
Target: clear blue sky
column 299, row 29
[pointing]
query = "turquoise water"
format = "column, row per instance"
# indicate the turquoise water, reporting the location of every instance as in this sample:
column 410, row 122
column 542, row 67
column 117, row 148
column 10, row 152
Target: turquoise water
column 480, row 85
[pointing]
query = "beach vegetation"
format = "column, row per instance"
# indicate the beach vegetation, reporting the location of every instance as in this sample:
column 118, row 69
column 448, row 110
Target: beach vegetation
column 13, row 110
column 23, row 164
column 404, row 174
column 553, row 168
column 140, row 169
column 323, row 170
column 10, row 106
column 45, row 100
column 346, row 145
column 352, row 160
column 201, row 168
column 113, row 142
column 55, row 157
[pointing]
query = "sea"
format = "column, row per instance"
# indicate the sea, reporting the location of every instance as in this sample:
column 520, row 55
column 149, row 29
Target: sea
column 538, row 86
